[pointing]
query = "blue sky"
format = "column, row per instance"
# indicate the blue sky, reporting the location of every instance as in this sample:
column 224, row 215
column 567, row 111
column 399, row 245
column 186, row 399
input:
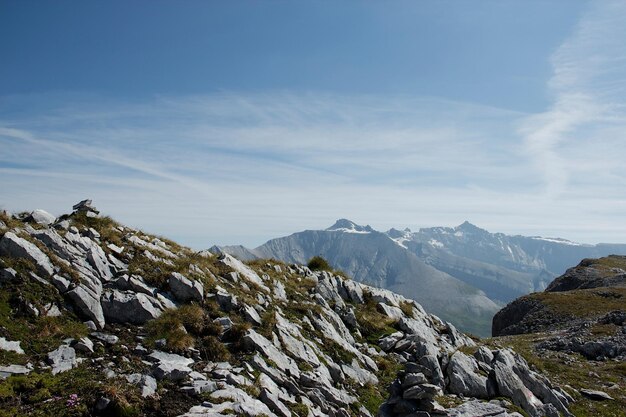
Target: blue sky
column 235, row 122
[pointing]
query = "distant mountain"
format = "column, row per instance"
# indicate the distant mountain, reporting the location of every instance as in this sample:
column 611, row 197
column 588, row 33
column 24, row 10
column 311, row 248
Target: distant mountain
column 463, row 274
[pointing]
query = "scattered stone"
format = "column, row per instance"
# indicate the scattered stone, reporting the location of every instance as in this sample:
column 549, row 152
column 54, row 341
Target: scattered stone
column 8, row 275
column 85, row 207
column 595, row 395
column 14, row 246
column 170, row 366
column 11, row 346
column 148, row 384
column 109, row 339
column 129, row 307
column 184, row 289
column 41, row 217
column 251, row 315
column 7, row 371
column 62, row 359
column 84, row 345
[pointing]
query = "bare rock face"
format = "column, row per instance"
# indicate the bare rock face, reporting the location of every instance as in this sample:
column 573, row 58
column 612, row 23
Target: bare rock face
column 88, row 304
column 14, row 246
column 129, row 307
column 465, row 378
column 185, row 289
column 62, row 359
column 42, row 217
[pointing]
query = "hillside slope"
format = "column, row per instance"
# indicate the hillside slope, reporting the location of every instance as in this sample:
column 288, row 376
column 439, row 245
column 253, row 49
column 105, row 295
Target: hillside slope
column 100, row 319
column 372, row 258
column 576, row 331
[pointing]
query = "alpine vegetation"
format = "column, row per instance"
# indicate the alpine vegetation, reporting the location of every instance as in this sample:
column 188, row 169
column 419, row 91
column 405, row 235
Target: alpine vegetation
column 100, row 319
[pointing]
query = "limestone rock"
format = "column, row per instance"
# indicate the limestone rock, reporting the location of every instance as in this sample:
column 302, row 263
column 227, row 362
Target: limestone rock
column 595, row 395
column 245, row 271
column 129, row 307
column 14, row 246
column 41, row 217
column 62, row 359
column 255, row 341
column 465, row 378
column 7, row 371
column 88, row 304
column 11, row 346
column 184, row 289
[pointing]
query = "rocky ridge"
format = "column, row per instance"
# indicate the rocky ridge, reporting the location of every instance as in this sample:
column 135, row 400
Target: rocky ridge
column 577, row 329
column 101, row 319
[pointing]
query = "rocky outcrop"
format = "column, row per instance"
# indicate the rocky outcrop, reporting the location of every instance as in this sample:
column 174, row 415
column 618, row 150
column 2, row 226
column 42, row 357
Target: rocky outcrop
column 587, row 283
column 592, row 273
column 14, row 246
column 184, row 289
column 224, row 337
column 129, row 307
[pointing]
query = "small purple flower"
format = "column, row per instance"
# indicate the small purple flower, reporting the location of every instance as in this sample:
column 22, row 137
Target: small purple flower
column 73, row 400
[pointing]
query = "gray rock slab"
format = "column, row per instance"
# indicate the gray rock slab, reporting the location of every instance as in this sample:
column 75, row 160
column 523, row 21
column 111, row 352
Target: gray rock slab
column 7, row 371
column 254, row 341
column 42, row 217
column 87, row 304
column 62, row 359
column 184, row 289
column 12, row 346
column 129, row 307
column 14, row 246
column 595, row 395
column 465, row 378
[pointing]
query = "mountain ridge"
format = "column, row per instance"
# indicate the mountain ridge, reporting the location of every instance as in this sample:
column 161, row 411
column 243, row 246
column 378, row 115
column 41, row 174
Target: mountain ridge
column 466, row 260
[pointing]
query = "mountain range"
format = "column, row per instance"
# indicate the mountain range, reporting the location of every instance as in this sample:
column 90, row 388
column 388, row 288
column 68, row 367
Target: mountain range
column 463, row 274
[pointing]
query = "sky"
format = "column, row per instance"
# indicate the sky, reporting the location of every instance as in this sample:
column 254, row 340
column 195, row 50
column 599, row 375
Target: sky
column 236, row 122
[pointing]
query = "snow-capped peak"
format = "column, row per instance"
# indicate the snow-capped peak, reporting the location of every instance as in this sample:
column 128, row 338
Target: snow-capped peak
column 347, row 226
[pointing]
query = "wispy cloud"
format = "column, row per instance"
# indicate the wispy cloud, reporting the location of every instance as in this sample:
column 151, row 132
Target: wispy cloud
column 588, row 87
column 242, row 168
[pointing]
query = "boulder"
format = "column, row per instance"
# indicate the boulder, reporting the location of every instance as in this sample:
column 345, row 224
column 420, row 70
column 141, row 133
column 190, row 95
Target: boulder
column 7, row 371
column 244, row 270
column 8, row 275
column 254, row 341
column 147, row 383
column 184, row 289
column 129, row 307
column 595, row 395
column 41, row 217
column 14, row 246
column 465, row 378
column 109, row 339
column 84, row 345
column 88, row 305
column 251, row 315
column 170, row 366
column 11, row 346
column 478, row 409
column 392, row 312
column 62, row 359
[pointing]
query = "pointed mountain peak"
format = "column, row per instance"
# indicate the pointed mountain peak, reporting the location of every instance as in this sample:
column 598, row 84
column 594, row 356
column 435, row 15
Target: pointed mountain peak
column 469, row 227
column 345, row 225
column 396, row 234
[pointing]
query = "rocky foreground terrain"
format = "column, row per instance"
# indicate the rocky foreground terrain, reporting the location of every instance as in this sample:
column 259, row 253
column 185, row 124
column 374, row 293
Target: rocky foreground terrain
column 576, row 329
column 100, row 319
